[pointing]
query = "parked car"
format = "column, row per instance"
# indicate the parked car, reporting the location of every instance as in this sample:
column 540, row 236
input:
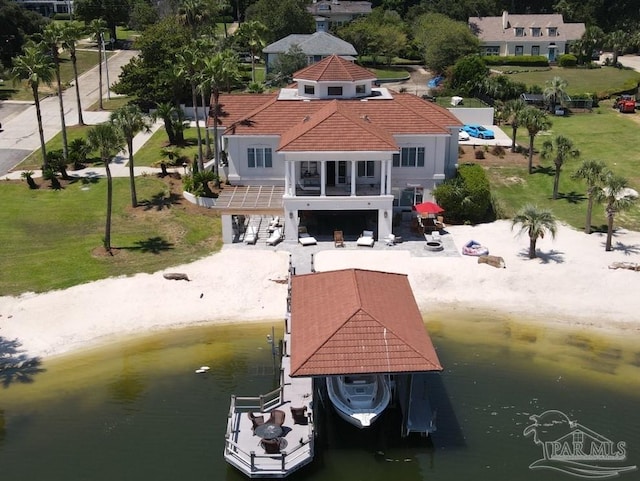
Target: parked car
column 462, row 135
column 475, row 130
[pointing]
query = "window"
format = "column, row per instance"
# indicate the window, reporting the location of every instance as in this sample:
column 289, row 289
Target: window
column 519, row 50
column 366, row 168
column 409, row 157
column 259, row 157
column 553, row 31
column 535, row 50
column 309, row 169
column 492, row 50
column 334, row 91
column 309, row 89
column 519, row 32
column 535, row 31
column 361, row 89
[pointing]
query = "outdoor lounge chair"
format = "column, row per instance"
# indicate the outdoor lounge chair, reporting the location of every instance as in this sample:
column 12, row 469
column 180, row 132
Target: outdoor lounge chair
column 366, row 239
column 304, row 238
column 275, row 237
column 439, row 223
column 273, row 446
column 251, row 235
column 255, row 420
column 338, row 238
column 277, row 417
column 299, row 415
column 390, row 240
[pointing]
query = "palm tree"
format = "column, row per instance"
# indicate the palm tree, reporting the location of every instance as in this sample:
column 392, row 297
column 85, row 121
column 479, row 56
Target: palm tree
column 204, row 89
column 253, row 34
column 617, row 41
column 511, row 112
column 78, row 151
column 221, row 69
column 535, row 121
column 36, row 67
column 106, row 139
column 52, row 36
column 130, row 120
column 190, row 61
column 71, row 33
column 193, row 13
column 98, row 27
column 614, row 194
column 555, row 91
column 535, row 222
column 593, row 173
column 560, row 150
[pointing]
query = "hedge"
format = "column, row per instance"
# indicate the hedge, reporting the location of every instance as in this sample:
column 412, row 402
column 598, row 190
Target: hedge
column 519, row 60
column 567, row 60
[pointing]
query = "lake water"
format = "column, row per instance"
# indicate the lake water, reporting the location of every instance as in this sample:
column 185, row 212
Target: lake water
column 137, row 411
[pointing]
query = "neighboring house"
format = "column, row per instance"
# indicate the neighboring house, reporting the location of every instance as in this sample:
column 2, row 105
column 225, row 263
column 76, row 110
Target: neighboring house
column 332, row 145
column 336, row 13
column 545, row 34
column 315, row 46
column 47, row 8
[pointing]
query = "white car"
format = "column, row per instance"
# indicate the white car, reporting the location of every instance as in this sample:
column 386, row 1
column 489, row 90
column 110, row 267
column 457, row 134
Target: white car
column 462, row 135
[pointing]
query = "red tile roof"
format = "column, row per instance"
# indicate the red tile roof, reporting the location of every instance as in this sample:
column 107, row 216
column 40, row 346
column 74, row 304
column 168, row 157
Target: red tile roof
column 335, row 127
column 334, row 68
column 357, row 321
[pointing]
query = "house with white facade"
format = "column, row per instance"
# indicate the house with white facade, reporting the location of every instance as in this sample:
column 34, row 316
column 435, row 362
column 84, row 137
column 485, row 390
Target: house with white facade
column 332, row 150
column 513, row 35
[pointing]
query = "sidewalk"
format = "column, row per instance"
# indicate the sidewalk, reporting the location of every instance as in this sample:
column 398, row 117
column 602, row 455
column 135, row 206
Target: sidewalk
column 118, row 165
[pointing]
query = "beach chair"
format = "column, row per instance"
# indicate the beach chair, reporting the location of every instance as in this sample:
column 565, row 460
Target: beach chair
column 390, row 240
column 275, row 237
column 338, row 238
column 366, row 239
column 251, row 235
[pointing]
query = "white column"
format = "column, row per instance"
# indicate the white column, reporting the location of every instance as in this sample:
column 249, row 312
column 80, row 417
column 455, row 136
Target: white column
column 353, row 178
column 383, row 176
column 389, row 166
column 287, row 177
column 323, row 177
column 292, row 176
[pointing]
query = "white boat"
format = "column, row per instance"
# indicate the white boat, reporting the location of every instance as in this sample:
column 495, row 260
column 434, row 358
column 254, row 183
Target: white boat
column 359, row 399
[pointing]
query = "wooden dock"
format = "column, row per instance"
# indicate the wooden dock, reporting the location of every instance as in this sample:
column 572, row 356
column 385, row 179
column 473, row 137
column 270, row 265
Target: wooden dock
column 243, row 449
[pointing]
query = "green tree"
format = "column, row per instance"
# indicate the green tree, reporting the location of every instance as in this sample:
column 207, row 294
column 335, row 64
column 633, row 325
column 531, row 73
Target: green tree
column 617, row 41
column 142, row 15
column 591, row 40
column 536, row 223
column 467, row 73
column 252, row 35
column 71, row 33
column 36, row 67
column 53, row 38
column 593, row 172
column 535, row 121
column 512, row 113
column 130, row 120
column 615, row 195
column 111, row 12
column 79, row 150
column 555, row 91
column 193, row 14
column 443, row 40
column 282, row 18
column 190, row 65
column 286, row 64
column 222, row 70
column 559, row 150
column 106, row 139
column 98, row 27
column 18, row 24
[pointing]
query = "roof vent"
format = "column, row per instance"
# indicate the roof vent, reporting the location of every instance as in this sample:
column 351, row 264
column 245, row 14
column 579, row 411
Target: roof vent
column 366, row 118
column 306, row 118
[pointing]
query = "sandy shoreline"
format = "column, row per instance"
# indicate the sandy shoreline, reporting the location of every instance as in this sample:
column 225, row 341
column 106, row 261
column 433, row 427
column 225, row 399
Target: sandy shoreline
column 570, row 284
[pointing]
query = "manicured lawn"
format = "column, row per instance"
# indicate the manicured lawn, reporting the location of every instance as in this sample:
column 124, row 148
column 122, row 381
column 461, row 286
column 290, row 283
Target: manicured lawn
column 34, row 161
column 111, row 104
column 603, row 135
column 49, row 237
column 150, row 151
column 20, row 91
column 602, row 81
column 390, row 72
column 123, row 33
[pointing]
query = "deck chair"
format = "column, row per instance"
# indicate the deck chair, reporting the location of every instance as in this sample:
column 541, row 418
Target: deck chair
column 299, row 415
column 277, row 417
column 366, row 239
column 338, row 238
column 272, row 446
column 439, row 222
column 255, row 420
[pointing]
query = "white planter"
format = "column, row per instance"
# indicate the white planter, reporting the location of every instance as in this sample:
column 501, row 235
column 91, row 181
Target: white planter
column 207, row 202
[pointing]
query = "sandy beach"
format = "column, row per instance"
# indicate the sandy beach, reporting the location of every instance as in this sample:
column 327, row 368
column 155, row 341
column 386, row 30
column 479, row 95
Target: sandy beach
column 571, row 283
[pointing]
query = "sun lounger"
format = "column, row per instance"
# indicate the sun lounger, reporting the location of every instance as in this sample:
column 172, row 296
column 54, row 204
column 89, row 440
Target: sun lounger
column 366, row 239
column 306, row 239
column 251, row 235
column 275, row 237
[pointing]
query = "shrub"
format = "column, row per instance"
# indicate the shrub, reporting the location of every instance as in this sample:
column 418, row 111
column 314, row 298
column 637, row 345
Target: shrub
column 567, row 60
column 479, row 154
column 62, row 16
column 498, row 151
column 519, row 60
column 467, row 197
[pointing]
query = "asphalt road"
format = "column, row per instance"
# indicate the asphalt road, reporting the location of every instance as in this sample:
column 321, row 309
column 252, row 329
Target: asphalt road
column 19, row 136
